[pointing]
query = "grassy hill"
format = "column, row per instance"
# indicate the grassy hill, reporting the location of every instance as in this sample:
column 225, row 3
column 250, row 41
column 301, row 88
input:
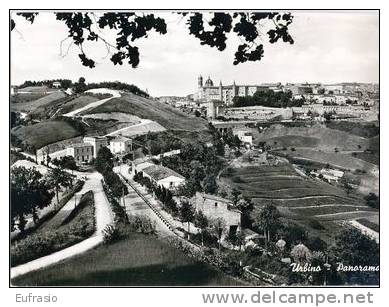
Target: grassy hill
column 31, row 105
column 45, row 132
column 77, row 102
column 317, row 136
column 138, row 260
column 167, row 116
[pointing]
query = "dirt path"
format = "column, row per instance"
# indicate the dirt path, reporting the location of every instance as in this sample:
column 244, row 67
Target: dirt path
column 103, row 216
column 326, row 205
column 366, row 230
column 345, row 215
column 115, row 94
column 135, row 204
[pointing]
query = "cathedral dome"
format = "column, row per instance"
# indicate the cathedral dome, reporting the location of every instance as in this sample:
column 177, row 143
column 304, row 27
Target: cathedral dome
column 209, row 82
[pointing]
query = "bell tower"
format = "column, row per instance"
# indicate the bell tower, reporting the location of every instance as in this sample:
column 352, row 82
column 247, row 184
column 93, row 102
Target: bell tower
column 200, row 81
column 221, row 91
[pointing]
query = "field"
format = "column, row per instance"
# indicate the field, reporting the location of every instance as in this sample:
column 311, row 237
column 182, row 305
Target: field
column 317, row 136
column 41, row 102
column 297, row 198
column 23, row 98
column 283, row 186
column 339, row 160
column 351, row 147
column 165, row 115
column 43, row 133
column 366, row 130
column 137, row 260
column 77, row 102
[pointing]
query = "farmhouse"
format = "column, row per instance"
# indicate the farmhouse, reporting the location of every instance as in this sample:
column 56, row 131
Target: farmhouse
column 56, row 84
column 97, row 142
column 163, row 176
column 244, row 135
column 215, row 207
column 331, row 175
column 120, row 145
column 81, row 152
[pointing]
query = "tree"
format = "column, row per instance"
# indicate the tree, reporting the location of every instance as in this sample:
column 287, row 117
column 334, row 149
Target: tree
column 80, row 86
column 209, row 28
column 245, row 206
column 218, row 226
column 67, row 162
column 268, row 220
column 209, row 184
column 300, row 253
column 104, row 160
column 201, row 222
column 372, row 200
column 355, row 248
column 187, row 213
column 236, row 195
column 29, row 192
column 57, row 178
column 236, row 238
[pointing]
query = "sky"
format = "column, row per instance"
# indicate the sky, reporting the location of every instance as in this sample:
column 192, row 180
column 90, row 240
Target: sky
column 330, row 47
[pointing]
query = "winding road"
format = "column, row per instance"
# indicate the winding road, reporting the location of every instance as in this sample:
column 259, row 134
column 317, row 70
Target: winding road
column 103, row 215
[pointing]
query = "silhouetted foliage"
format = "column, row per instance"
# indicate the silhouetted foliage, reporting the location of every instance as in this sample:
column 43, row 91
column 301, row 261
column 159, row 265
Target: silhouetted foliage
column 210, row 28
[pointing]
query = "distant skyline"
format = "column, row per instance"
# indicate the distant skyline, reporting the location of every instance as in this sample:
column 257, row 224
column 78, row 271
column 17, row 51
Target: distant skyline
column 330, row 47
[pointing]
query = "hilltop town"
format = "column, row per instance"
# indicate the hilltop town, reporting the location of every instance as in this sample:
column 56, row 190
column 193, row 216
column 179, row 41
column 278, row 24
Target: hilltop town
column 235, row 182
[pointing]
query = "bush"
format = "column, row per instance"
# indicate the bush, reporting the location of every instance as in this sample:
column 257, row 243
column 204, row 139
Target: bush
column 111, row 234
column 44, row 243
column 142, row 224
column 315, row 224
column 372, row 200
column 118, row 210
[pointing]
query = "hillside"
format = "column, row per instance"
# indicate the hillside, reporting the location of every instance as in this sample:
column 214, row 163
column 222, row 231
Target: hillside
column 317, row 136
column 31, row 105
column 145, row 108
column 43, row 133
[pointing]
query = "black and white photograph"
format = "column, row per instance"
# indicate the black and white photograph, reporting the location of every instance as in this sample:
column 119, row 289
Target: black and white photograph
column 194, row 148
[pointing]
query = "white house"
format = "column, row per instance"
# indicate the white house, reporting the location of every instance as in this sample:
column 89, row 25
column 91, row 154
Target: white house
column 81, row 152
column 56, row 84
column 97, row 142
column 163, row 176
column 331, row 174
column 215, row 207
column 244, row 135
column 120, row 145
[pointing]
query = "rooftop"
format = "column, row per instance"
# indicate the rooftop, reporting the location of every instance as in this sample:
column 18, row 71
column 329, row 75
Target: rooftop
column 120, row 139
column 159, row 172
column 80, row 145
column 98, row 137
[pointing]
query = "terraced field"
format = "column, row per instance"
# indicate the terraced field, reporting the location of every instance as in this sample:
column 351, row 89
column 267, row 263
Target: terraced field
column 295, row 195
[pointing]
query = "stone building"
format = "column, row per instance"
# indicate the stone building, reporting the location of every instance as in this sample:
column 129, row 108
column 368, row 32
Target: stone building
column 208, row 91
column 215, row 207
column 97, row 142
column 81, row 152
column 120, row 145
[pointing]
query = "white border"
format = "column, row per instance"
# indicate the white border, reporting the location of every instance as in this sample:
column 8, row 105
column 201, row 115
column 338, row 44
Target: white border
column 172, row 296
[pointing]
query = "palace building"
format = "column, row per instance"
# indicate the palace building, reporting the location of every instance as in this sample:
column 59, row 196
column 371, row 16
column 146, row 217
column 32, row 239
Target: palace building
column 208, row 91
